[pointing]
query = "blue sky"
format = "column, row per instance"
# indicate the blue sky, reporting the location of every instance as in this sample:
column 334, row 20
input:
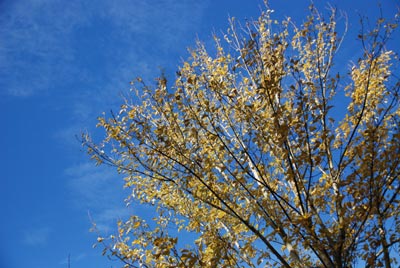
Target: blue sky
column 62, row 63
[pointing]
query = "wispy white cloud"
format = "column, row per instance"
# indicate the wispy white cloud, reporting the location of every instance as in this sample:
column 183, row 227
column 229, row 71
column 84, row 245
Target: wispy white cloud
column 166, row 20
column 99, row 191
column 105, row 220
column 35, row 44
column 94, row 186
column 36, row 237
column 43, row 41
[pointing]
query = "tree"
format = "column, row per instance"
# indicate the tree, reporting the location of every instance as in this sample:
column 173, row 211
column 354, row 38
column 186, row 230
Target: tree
column 247, row 157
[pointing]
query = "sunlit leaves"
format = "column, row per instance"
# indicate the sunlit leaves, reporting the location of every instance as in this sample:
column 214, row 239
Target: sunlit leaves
column 246, row 156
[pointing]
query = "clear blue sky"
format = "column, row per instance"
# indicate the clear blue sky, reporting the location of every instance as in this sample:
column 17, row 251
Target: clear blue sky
column 62, row 63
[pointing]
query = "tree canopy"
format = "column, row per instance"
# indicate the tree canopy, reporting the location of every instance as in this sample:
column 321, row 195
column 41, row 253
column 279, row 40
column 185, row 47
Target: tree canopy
column 265, row 151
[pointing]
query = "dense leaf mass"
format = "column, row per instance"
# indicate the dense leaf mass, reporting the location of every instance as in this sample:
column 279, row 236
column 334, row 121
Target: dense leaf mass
column 248, row 155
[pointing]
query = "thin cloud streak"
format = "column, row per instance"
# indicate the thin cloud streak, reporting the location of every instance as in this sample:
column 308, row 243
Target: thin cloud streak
column 167, row 21
column 99, row 191
column 36, row 237
column 94, row 186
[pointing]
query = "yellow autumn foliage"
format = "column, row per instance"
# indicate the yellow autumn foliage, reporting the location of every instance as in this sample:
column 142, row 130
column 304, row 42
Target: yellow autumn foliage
column 246, row 158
